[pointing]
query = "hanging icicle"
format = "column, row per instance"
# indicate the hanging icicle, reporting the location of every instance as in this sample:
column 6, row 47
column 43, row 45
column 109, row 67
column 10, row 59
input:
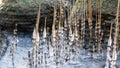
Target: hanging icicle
column 76, row 41
column 59, row 45
column 90, row 25
column 69, row 48
column 98, row 32
column 35, row 40
column 82, row 39
column 30, row 59
column 99, row 27
column 108, row 56
column 115, row 42
column 14, row 44
column 52, row 46
column 43, row 43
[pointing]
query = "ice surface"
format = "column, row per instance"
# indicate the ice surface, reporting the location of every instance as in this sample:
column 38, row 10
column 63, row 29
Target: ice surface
column 21, row 57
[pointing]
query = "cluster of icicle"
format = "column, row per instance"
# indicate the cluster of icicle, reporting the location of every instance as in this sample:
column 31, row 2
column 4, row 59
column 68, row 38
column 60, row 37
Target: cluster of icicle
column 111, row 58
column 59, row 48
column 57, row 52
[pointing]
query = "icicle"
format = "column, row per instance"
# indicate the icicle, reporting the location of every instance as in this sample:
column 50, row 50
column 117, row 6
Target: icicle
column 98, row 33
column 76, row 40
column 108, row 57
column 70, row 21
column 29, row 57
column 37, row 33
column 43, row 44
column 12, row 54
column 99, row 27
column 59, row 46
column 44, row 33
column 96, row 26
column 90, row 25
column 52, row 46
column 115, row 42
column 66, row 43
column 35, row 41
column 14, row 44
column 37, row 44
column 33, row 45
column 15, row 36
column 69, row 48
column 82, row 24
column 75, row 7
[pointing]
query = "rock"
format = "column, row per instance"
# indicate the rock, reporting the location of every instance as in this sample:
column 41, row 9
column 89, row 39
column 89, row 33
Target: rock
column 24, row 12
column 25, row 17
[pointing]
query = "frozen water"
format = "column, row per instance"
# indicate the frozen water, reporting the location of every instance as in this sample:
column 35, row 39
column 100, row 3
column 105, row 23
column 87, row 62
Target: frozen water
column 21, row 57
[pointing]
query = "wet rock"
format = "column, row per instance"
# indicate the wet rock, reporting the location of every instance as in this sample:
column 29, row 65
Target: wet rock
column 25, row 16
